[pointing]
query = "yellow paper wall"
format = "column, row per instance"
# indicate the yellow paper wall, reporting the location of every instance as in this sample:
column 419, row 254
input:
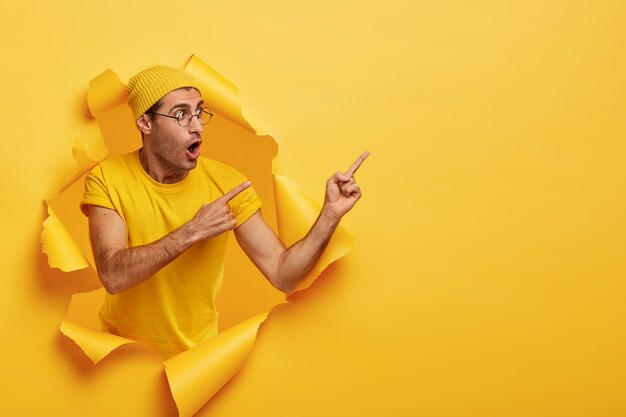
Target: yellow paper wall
column 488, row 272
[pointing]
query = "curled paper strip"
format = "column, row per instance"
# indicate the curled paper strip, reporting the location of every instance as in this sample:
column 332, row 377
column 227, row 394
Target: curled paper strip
column 291, row 199
column 195, row 375
column 94, row 343
column 59, row 245
column 214, row 85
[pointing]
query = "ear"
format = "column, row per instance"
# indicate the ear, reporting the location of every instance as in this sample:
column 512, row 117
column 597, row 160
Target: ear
column 144, row 124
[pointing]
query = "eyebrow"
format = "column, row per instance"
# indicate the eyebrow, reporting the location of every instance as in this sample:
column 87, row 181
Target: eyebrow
column 186, row 106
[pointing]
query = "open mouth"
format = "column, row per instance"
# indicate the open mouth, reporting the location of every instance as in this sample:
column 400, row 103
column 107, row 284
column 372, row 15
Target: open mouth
column 193, row 151
column 194, row 147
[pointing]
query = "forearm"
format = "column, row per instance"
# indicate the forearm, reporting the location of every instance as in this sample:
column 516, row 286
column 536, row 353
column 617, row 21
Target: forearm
column 298, row 260
column 342, row 193
column 285, row 268
column 123, row 268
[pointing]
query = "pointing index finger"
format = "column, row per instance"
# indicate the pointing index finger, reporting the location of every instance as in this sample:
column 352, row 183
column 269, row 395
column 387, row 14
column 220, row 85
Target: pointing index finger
column 357, row 163
column 234, row 192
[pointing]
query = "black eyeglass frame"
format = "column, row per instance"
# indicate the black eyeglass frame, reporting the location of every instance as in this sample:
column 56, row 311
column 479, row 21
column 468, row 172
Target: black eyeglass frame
column 180, row 119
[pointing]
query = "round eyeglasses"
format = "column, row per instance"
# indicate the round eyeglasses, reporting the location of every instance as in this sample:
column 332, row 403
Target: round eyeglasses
column 184, row 116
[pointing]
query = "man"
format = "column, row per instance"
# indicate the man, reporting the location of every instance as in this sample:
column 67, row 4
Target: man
column 159, row 217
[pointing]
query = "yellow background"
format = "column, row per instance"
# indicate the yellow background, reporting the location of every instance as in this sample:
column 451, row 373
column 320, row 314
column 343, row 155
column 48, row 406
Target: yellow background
column 488, row 276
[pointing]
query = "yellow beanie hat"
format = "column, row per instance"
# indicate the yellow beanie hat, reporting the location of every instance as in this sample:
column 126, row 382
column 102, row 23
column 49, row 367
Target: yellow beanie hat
column 152, row 84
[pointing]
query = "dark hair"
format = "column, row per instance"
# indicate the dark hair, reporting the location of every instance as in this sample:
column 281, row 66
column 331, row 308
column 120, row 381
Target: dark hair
column 154, row 108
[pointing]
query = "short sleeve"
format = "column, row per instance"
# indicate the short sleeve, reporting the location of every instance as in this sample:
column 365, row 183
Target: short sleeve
column 245, row 205
column 96, row 191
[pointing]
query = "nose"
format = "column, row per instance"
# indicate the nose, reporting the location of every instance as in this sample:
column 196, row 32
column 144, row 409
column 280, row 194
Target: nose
column 194, row 125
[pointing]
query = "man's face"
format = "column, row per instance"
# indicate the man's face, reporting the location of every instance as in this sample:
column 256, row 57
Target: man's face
column 175, row 149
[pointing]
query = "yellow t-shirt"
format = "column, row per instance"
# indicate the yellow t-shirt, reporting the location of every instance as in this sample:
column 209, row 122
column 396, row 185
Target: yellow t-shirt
column 174, row 309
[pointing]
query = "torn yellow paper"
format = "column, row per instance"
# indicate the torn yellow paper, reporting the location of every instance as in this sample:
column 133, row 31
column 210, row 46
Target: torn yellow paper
column 220, row 92
column 106, row 91
column 81, row 152
column 60, row 246
column 296, row 212
column 64, row 205
column 198, row 373
column 95, row 344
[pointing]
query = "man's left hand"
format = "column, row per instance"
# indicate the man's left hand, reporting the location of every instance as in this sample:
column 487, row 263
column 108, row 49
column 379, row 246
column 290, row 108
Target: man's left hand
column 342, row 191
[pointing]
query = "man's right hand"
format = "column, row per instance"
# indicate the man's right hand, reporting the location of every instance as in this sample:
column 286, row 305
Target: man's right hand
column 215, row 218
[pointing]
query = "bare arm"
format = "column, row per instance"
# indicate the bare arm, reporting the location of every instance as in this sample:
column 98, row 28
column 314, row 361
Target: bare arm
column 285, row 268
column 121, row 267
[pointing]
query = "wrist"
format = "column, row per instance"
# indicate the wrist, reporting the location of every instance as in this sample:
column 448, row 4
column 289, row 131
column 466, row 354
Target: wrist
column 328, row 216
column 186, row 235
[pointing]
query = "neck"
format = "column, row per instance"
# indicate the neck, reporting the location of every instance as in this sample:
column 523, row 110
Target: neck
column 158, row 171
